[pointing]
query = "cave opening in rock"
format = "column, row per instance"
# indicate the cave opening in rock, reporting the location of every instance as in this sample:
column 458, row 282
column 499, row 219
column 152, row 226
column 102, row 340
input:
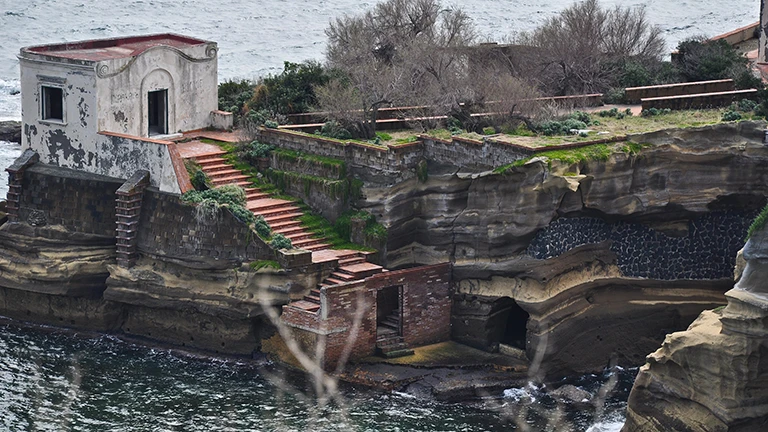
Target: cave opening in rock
column 515, row 325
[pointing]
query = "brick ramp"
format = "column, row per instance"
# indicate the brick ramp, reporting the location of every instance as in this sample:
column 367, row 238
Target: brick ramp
column 283, row 217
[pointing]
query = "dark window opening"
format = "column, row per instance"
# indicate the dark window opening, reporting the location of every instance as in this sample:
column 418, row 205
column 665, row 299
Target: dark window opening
column 53, row 103
column 388, row 311
column 516, row 327
column 157, row 110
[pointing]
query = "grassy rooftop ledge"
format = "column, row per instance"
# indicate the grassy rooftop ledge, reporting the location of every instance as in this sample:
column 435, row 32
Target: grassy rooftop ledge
column 608, row 127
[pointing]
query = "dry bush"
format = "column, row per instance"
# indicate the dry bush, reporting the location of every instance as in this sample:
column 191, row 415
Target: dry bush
column 585, row 48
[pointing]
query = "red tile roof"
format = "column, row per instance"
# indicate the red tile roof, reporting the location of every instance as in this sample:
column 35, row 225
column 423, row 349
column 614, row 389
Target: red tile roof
column 106, row 49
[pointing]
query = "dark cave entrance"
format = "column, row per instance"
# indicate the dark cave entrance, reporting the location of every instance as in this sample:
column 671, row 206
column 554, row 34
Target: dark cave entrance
column 516, row 327
column 509, row 323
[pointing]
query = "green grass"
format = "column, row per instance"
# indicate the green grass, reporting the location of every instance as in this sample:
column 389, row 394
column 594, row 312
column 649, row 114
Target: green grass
column 595, row 152
column 406, row 140
column 316, row 224
column 247, row 169
column 260, row 264
column 320, row 226
column 759, row 223
column 327, row 162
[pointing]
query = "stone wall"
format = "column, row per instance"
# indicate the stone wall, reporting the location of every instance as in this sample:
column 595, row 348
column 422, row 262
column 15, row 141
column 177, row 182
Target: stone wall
column 79, row 201
column 395, row 163
column 703, row 248
column 173, row 229
column 487, row 154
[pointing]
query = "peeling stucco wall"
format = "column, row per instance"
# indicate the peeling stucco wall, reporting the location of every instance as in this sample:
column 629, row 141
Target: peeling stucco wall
column 67, row 143
column 189, row 75
column 111, row 96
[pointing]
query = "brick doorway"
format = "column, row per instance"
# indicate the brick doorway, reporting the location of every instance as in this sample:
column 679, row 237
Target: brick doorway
column 389, row 312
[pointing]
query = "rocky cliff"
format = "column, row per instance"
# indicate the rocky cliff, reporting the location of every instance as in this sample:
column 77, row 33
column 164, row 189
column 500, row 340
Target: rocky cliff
column 605, row 256
column 713, row 376
column 10, row 131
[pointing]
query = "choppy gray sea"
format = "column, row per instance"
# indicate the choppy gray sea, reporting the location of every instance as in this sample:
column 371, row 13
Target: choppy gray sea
column 53, row 381
column 255, row 37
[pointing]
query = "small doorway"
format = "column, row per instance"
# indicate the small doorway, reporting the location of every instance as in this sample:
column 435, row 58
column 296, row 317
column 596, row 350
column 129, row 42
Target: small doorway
column 157, row 111
column 389, row 312
column 515, row 331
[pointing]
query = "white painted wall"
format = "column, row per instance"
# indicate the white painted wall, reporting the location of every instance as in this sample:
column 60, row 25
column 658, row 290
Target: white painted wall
column 70, row 143
column 112, row 96
column 189, row 75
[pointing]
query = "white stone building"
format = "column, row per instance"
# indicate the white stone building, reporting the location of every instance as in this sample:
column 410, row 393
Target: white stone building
column 108, row 106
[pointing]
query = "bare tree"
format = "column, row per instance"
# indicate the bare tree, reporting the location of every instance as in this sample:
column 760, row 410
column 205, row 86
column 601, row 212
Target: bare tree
column 403, row 52
column 583, row 49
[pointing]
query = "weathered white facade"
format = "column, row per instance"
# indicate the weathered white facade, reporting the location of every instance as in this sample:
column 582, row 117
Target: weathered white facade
column 107, row 106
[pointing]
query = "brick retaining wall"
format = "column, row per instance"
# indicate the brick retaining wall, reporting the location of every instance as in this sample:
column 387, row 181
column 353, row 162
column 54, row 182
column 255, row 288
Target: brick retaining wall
column 635, row 94
column 79, row 201
column 172, row 228
column 426, row 313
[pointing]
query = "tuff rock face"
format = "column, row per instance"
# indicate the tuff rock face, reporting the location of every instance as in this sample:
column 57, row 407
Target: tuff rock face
column 713, row 376
column 630, row 264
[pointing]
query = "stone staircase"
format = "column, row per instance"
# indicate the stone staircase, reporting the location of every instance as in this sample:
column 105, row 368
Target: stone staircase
column 389, row 343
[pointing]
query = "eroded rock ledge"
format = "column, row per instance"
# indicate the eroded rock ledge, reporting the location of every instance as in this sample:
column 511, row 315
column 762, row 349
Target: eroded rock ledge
column 600, row 258
column 713, row 376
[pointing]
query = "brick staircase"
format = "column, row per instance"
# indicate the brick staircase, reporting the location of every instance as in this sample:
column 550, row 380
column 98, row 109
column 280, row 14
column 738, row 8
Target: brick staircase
column 283, row 217
column 389, row 343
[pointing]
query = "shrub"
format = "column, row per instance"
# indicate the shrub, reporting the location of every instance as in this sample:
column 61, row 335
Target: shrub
column 746, row 80
column 271, row 124
column 200, row 180
column 234, row 94
column 583, row 134
column 293, row 90
column 551, row 128
column 581, row 116
column 570, row 124
column 280, row 241
column 489, row 130
column 731, row 116
column 651, row 112
column 333, row 129
column 746, row 105
column 242, row 213
column 383, row 136
column 231, row 196
column 628, row 112
column 613, row 112
column 615, row 96
column 635, row 74
column 702, row 60
column 758, row 223
column 262, row 227
column 258, row 150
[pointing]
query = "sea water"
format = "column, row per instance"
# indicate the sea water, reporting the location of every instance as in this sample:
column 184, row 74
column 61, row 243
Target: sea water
column 255, row 37
column 52, row 381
